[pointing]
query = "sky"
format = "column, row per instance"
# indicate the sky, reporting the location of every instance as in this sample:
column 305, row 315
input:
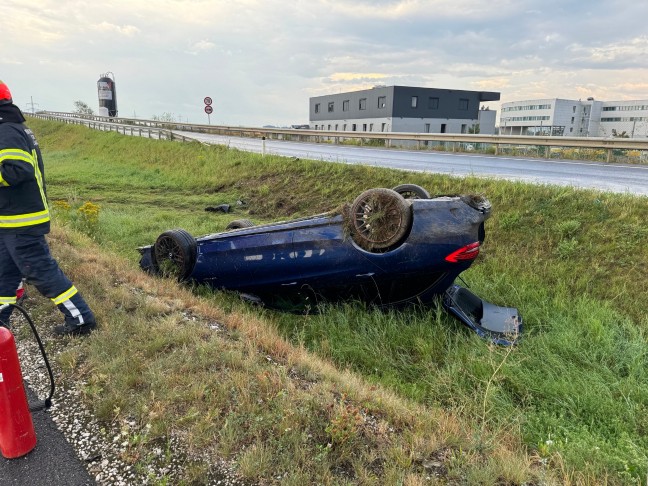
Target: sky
column 261, row 60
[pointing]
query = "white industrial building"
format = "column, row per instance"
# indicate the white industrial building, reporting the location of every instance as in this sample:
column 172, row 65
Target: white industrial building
column 575, row 118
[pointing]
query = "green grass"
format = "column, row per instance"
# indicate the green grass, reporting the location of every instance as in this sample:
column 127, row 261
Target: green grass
column 575, row 391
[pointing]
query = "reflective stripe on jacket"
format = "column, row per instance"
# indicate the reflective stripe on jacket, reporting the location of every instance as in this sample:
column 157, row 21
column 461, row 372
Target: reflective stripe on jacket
column 23, row 201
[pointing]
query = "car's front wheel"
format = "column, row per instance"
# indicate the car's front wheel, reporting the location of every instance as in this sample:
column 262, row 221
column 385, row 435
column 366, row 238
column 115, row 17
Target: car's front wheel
column 412, row 191
column 379, row 219
column 174, row 254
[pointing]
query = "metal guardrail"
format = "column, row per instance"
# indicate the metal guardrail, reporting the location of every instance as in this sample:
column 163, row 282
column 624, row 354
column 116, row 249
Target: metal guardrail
column 110, row 124
column 163, row 130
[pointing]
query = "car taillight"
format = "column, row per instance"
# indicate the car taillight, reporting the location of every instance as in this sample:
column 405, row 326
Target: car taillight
column 468, row 252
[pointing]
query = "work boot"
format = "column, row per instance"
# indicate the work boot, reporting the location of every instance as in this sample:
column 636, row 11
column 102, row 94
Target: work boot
column 68, row 329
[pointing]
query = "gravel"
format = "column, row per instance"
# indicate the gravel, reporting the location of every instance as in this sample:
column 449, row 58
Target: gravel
column 101, row 446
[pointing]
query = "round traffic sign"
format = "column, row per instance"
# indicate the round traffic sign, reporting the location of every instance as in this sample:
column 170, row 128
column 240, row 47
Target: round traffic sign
column 209, row 110
column 208, row 100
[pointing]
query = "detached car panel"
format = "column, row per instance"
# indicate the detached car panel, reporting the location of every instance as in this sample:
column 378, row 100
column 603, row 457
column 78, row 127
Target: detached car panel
column 389, row 248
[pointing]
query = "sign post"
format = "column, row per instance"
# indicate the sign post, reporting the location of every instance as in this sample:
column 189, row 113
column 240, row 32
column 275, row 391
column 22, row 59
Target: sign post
column 208, row 108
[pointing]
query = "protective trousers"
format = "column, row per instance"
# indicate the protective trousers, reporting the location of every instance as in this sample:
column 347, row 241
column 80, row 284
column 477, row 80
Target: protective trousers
column 29, row 256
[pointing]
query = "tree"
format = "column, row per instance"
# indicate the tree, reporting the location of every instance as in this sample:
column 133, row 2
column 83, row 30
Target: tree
column 623, row 134
column 164, row 117
column 82, row 108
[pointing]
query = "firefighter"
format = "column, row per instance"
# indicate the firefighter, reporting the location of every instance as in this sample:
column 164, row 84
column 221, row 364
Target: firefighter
column 24, row 222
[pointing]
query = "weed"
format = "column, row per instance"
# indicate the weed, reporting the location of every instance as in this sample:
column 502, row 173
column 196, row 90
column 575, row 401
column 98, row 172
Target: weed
column 567, row 248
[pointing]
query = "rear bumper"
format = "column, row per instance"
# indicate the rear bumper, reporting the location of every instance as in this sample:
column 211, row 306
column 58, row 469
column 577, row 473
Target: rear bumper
column 501, row 325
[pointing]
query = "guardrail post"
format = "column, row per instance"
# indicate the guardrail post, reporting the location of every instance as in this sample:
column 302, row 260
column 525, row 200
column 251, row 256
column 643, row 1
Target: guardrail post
column 609, row 155
column 548, row 152
column 497, row 149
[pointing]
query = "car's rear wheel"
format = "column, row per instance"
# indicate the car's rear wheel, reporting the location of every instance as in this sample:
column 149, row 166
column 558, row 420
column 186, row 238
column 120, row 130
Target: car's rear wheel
column 380, row 218
column 174, row 254
column 412, row 191
column 239, row 223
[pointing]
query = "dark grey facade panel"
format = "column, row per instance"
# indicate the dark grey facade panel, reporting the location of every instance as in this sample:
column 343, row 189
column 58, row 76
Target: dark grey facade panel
column 398, row 101
column 435, row 103
column 370, row 104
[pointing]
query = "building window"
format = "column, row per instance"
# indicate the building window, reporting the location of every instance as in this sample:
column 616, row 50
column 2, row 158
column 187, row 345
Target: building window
column 344, row 127
column 353, row 127
column 363, row 104
column 331, row 106
column 382, row 101
column 463, row 104
column 427, row 128
column 364, row 127
column 329, row 128
column 574, row 109
column 433, row 103
column 526, row 107
column 571, row 129
column 371, row 127
column 317, row 107
column 336, row 127
column 572, row 119
column 383, row 127
column 464, row 128
column 345, row 105
column 414, row 101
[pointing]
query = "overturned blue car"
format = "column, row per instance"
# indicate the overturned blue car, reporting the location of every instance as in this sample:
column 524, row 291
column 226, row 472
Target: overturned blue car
column 389, row 248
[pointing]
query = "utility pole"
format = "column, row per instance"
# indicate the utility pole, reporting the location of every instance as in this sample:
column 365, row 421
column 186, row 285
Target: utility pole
column 32, row 104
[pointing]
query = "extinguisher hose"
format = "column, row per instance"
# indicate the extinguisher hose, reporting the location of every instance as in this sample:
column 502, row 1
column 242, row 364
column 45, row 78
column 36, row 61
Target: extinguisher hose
column 47, row 403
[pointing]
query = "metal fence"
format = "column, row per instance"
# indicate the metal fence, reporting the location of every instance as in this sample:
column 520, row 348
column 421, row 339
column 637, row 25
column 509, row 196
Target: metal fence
column 608, row 149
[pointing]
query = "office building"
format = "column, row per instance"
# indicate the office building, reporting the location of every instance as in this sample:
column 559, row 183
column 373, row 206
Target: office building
column 575, row 118
column 404, row 109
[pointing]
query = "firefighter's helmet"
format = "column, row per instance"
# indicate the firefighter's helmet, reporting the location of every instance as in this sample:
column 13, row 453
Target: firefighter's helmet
column 5, row 94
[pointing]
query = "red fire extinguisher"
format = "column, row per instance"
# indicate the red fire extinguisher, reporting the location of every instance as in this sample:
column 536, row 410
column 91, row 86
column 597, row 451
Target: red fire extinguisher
column 17, row 436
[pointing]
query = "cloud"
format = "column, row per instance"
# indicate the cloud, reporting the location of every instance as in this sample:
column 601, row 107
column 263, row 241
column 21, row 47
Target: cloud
column 404, row 9
column 125, row 30
column 261, row 59
column 631, row 52
column 200, row 47
column 356, row 76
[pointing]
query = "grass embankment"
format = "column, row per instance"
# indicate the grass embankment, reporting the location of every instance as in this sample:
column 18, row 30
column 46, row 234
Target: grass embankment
column 420, row 394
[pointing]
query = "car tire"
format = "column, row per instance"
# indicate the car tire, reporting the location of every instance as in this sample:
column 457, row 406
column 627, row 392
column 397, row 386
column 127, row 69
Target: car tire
column 239, row 223
column 412, row 191
column 174, row 254
column 379, row 219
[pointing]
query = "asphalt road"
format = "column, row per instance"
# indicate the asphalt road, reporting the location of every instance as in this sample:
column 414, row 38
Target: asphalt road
column 618, row 178
column 52, row 462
